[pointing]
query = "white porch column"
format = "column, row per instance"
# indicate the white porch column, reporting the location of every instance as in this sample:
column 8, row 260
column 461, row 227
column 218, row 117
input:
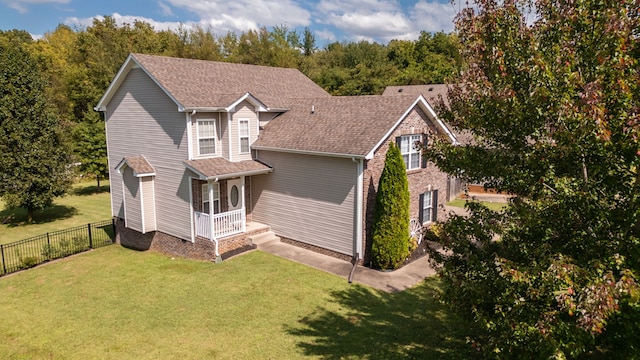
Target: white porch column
column 211, row 222
column 244, row 209
column 242, row 190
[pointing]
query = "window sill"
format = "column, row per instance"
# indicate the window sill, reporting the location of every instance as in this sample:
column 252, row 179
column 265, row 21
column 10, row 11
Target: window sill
column 413, row 171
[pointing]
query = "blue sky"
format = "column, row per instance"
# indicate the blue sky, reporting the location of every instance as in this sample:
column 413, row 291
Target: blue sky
column 330, row 20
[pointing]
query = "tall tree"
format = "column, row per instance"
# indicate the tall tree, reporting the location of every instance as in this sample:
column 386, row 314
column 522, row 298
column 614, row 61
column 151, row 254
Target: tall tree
column 390, row 245
column 34, row 162
column 555, row 109
column 90, row 148
column 308, row 43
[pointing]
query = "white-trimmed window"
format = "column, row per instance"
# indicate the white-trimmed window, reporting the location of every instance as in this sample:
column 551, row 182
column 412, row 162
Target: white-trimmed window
column 206, row 202
column 243, row 131
column 429, row 206
column 410, row 150
column 206, row 137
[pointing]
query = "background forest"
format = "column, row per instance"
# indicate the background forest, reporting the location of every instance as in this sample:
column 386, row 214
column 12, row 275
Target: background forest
column 79, row 64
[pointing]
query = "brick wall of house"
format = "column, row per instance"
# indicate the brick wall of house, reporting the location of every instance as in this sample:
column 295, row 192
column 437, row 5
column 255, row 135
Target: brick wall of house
column 420, row 180
column 201, row 249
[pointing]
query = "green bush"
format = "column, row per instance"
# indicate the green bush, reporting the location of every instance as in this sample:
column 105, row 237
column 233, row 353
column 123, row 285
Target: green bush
column 65, row 248
column 29, row 262
column 390, row 245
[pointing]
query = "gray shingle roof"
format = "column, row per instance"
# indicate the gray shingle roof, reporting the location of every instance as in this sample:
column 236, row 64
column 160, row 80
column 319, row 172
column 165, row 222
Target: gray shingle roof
column 201, row 84
column 348, row 125
column 222, row 168
column 138, row 164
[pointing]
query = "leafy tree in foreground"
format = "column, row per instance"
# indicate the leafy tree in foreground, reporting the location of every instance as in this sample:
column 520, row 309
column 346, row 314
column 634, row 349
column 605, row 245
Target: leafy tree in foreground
column 554, row 107
column 33, row 161
column 390, row 245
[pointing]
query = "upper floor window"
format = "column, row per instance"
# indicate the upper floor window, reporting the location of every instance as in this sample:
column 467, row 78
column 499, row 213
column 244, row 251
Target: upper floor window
column 243, row 130
column 206, row 137
column 410, row 150
column 207, row 202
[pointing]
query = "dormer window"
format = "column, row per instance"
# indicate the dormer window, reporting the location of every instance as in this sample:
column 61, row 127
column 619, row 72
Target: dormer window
column 410, row 149
column 206, row 137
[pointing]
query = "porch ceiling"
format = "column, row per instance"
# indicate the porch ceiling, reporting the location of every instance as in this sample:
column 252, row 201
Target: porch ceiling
column 221, row 168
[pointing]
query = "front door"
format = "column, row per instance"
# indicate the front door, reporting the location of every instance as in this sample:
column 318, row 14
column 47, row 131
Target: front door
column 234, row 193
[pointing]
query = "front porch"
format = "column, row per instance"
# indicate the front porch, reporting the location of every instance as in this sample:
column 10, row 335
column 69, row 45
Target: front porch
column 220, row 196
column 220, row 225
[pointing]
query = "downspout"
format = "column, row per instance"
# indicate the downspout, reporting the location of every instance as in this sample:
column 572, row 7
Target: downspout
column 358, row 217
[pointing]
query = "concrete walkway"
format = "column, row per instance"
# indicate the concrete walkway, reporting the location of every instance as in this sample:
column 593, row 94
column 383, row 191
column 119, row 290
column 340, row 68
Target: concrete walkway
column 392, row 281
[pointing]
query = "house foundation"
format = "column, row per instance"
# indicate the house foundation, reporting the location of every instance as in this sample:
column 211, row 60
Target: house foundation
column 201, row 249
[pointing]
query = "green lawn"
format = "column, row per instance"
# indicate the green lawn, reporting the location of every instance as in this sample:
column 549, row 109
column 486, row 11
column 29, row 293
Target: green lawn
column 496, row 206
column 83, row 205
column 115, row 303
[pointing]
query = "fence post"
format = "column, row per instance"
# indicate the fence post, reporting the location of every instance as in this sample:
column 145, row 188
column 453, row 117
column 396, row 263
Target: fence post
column 115, row 229
column 49, row 250
column 90, row 237
column 4, row 264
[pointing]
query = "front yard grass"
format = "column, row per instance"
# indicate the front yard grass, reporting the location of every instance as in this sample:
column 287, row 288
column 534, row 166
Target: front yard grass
column 83, row 205
column 495, row 206
column 116, row 303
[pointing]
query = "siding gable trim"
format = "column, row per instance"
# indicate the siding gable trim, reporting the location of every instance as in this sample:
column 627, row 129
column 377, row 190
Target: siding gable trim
column 260, row 106
column 424, row 105
column 130, row 63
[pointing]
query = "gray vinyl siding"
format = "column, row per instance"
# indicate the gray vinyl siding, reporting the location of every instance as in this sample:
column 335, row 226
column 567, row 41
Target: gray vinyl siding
column 132, row 200
column 244, row 111
column 148, row 203
column 143, row 120
column 224, row 135
column 307, row 198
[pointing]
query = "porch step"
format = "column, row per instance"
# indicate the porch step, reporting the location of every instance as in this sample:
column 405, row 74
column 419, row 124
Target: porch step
column 263, row 238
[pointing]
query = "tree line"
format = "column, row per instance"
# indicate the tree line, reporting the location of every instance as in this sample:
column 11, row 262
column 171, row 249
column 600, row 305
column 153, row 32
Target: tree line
column 75, row 67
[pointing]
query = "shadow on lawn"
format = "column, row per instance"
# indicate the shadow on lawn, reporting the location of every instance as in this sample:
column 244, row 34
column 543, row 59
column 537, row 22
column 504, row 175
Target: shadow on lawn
column 90, row 190
column 18, row 216
column 408, row 325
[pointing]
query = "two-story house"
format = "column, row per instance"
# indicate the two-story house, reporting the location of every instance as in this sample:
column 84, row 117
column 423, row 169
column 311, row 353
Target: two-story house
column 202, row 153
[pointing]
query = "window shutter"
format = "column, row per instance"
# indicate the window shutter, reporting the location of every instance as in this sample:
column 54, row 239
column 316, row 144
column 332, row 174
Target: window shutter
column 398, row 141
column 424, row 145
column 421, row 209
column 434, row 200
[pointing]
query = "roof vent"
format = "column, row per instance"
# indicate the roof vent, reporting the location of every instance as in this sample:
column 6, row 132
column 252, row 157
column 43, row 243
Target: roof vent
column 400, row 90
column 313, row 109
column 431, row 89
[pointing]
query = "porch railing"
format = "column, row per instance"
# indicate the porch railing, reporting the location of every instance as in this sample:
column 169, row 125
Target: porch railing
column 220, row 225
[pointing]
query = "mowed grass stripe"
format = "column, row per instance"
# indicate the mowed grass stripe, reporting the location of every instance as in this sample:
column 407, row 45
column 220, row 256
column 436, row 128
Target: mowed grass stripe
column 116, row 303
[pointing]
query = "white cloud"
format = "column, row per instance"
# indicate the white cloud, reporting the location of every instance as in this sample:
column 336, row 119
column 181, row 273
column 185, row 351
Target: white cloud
column 433, row 16
column 165, row 9
column 373, row 25
column 384, row 20
column 21, row 6
column 243, row 15
column 127, row 19
column 325, row 36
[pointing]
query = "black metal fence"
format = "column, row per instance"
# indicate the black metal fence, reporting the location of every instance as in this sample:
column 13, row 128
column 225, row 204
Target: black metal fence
column 30, row 252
